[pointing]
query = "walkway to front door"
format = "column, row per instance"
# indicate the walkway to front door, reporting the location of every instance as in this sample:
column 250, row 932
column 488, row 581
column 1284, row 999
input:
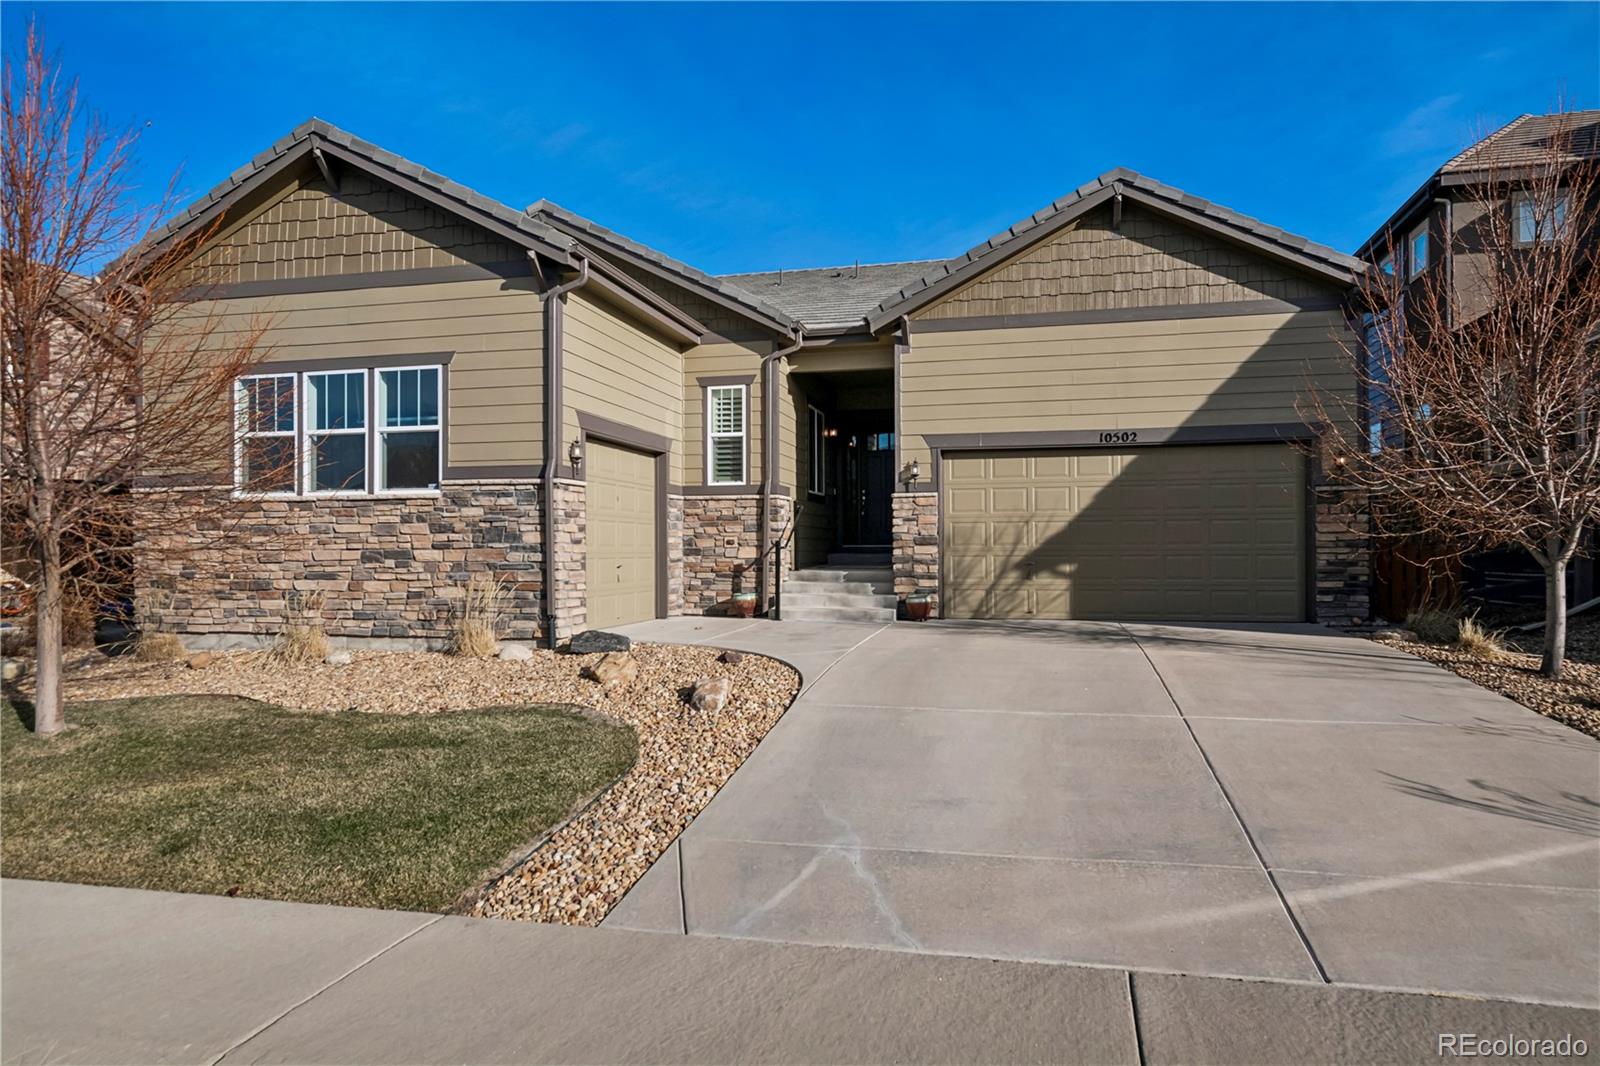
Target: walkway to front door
column 1260, row 802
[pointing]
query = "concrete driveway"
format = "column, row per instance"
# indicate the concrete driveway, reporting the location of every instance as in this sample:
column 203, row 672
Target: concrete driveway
column 1277, row 802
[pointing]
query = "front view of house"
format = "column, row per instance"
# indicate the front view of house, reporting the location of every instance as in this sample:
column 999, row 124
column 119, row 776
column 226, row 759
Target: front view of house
column 1093, row 415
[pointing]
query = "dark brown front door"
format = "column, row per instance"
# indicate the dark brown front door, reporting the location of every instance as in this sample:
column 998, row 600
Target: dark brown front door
column 867, row 487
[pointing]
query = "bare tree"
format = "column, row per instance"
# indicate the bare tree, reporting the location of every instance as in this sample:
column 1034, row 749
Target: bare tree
column 1479, row 381
column 116, row 386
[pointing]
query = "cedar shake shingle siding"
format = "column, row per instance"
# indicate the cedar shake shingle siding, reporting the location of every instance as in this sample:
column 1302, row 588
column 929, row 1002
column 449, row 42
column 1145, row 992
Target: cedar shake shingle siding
column 1149, row 261
column 369, row 227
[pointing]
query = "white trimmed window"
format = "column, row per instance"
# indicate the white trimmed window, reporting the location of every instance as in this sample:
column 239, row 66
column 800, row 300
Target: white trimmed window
column 1418, row 249
column 336, row 432
column 340, row 432
column 264, row 460
column 1534, row 226
column 727, row 420
column 819, row 453
column 409, row 430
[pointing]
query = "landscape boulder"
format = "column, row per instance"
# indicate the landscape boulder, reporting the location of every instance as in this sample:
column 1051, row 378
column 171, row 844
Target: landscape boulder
column 711, row 694
column 730, row 657
column 615, row 669
column 12, row 669
column 1395, row 633
column 339, row 658
column 202, row 659
column 591, row 641
column 515, row 653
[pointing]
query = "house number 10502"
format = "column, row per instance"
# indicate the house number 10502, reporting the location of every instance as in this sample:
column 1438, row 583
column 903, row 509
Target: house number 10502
column 1126, row 436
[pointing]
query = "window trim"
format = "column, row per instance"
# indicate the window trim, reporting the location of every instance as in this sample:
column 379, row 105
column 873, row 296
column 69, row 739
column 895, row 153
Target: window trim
column 307, row 480
column 1413, row 268
column 379, row 467
column 708, row 408
column 817, row 459
column 243, row 433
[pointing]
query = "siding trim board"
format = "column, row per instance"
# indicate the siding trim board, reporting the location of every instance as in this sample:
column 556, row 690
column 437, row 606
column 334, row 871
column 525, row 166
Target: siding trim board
column 353, row 362
column 1126, row 314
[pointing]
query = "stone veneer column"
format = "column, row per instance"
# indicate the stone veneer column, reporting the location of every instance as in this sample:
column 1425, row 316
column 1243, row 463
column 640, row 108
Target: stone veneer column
column 675, row 555
column 1344, row 556
column 916, row 545
column 570, row 604
column 719, row 539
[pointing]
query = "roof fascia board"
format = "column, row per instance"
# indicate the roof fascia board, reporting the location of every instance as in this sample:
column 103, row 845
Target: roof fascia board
column 1397, row 221
column 998, row 253
column 652, row 309
column 1231, row 233
column 616, row 251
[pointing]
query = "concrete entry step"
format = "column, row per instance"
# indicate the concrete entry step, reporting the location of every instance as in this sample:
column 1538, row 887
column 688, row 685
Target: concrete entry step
column 881, row 579
column 836, row 596
column 862, row 558
column 837, row 614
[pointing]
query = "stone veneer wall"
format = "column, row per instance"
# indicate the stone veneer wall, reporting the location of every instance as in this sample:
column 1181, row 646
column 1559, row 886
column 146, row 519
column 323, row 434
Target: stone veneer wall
column 720, row 540
column 389, row 567
column 915, row 553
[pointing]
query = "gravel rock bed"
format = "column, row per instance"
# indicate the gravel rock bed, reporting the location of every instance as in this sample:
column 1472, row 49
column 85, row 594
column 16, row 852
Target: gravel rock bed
column 1572, row 701
column 578, row 873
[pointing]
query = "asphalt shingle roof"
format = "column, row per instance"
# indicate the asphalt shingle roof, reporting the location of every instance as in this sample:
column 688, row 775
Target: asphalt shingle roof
column 831, row 298
column 1525, row 139
column 576, row 224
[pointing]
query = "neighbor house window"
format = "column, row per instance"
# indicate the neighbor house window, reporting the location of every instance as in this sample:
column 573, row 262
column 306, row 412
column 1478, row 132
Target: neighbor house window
column 336, row 432
column 819, row 448
column 323, row 432
column 265, row 406
column 1536, row 223
column 726, row 420
column 1386, row 264
column 1418, row 245
column 408, row 448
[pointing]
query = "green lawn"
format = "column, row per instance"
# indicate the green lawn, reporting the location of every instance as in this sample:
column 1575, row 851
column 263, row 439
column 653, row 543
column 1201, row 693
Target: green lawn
column 218, row 794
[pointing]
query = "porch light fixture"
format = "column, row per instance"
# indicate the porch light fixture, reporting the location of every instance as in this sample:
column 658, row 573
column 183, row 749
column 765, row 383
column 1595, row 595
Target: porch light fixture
column 911, row 473
column 575, row 454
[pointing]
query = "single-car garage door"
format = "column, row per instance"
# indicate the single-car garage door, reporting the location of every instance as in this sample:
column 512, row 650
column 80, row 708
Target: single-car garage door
column 620, row 535
column 1202, row 533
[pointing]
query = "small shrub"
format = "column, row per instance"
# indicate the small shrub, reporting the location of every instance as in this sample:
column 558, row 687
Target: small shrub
column 303, row 640
column 1435, row 625
column 477, row 628
column 1475, row 639
column 153, row 647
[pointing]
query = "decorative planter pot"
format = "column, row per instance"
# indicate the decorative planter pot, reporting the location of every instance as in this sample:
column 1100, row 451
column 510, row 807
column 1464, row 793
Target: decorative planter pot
column 744, row 604
column 919, row 606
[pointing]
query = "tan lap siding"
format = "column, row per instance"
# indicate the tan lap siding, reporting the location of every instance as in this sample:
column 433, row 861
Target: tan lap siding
column 1246, row 369
column 494, row 328
column 728, row 359
column 614, row 369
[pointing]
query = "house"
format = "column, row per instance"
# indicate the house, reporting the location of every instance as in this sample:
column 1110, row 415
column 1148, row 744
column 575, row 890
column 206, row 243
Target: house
column 1436, row 234
column 1091, row 415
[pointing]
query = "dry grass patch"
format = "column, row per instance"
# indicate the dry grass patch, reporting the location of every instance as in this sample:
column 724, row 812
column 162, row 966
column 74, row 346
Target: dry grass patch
column 1477, row 640
column 303, row 639
column 157, row 647
column 477, row 624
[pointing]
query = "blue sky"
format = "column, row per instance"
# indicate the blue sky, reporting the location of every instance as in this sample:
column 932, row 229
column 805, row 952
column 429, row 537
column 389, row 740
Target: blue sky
column 756, row 137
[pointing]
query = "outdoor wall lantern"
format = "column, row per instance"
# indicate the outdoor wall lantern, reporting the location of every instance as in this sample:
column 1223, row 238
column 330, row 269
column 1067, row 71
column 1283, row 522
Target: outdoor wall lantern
column 575, row 454
column 911, row 473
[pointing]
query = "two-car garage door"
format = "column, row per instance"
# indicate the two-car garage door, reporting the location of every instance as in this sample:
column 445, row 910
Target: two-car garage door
column 1204, row 533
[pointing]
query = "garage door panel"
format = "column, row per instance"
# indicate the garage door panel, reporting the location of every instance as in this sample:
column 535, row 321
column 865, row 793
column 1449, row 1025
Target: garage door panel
column 620, row 536
column 1198, row 532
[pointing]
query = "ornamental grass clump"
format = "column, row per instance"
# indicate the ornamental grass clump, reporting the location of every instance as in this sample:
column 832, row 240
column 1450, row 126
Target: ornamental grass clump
column 303, row 639
column 1435, row 625
column 1478, row 641
column 477, row 625
column 152, row 645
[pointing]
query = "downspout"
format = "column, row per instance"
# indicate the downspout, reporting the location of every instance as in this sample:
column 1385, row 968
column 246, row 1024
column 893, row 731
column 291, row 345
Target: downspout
column 552, row 298
column 771, row 426
column 1447, row 248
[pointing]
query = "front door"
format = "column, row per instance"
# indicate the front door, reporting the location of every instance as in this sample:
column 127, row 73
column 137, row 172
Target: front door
column 866, row 482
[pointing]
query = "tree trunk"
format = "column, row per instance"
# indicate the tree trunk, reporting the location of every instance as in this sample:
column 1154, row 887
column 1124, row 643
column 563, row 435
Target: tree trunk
column 49, row 715
column 1555, row 617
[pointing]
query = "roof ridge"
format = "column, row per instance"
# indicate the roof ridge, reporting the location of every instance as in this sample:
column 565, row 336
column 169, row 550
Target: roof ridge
column 841, row 266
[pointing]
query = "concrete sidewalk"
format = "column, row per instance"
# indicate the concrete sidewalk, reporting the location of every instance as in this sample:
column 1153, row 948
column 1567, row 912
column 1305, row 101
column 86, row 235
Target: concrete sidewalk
column 114, row 975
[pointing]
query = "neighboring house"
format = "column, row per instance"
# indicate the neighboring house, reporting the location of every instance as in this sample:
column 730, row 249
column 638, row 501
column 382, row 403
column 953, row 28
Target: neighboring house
column 1434, row 233
column 1091, row 415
